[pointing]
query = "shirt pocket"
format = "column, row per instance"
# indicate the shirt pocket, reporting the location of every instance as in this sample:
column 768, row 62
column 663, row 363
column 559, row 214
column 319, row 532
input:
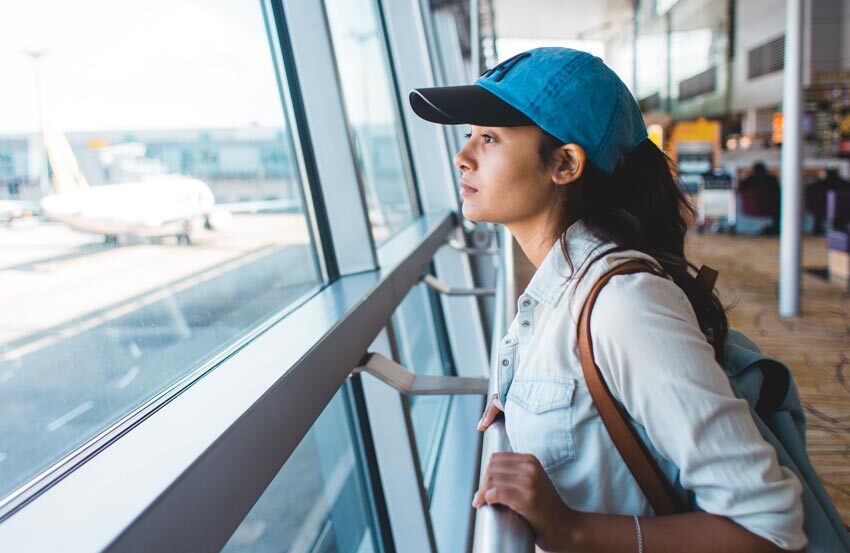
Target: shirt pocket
column 539, row 418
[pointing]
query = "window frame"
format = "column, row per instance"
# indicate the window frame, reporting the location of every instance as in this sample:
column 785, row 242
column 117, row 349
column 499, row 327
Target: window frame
column 409, row 31
column 322, row 256
column 263, row 398
column 408, row 168
column 248, row 394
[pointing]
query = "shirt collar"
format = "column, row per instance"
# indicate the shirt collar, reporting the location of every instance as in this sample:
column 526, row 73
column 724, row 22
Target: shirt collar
column 551, row 278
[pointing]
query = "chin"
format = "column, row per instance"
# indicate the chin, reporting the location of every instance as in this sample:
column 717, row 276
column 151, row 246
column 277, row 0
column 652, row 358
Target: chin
column 471, row 213
column 476, row 214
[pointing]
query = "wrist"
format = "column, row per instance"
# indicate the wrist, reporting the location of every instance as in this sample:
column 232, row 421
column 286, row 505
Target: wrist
column 576, row 535
column 567, row 532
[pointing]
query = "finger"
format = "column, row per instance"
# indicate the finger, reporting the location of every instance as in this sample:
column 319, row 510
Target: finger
column 501, row 467
column 477, row 499
column 509, row 496
column 507, row 460
column 496, row 480
column 490, row 414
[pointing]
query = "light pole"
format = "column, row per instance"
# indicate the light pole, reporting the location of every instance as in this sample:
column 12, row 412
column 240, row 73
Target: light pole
column 36, row 57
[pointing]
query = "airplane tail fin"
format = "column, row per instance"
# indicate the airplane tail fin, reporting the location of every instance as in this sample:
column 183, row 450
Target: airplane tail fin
column 66, row 171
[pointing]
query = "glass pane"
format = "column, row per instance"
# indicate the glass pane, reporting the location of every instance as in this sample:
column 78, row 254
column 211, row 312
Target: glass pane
column 317, row 502
column 420, row 350
column 372, row 110
column 170, row 222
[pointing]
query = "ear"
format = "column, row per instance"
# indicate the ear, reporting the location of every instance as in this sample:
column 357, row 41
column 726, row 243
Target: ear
column 570, row 164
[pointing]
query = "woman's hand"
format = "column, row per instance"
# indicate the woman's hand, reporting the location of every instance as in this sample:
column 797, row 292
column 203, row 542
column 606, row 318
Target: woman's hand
column 519, row 482
column 492, row 411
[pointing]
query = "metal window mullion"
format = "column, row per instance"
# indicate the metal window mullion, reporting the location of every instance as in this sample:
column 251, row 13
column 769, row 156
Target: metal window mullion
column 364, row 444
column 211, row 451
column 300, row 151
column 436, row 178
column 313, row 62
column 398, row 463
column 410, row 53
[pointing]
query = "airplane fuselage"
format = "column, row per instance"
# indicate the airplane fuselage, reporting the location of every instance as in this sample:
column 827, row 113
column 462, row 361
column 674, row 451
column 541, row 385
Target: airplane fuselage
column 164, row 205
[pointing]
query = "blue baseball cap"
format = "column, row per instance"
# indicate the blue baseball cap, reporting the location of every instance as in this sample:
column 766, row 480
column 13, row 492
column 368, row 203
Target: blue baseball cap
column 570, row 94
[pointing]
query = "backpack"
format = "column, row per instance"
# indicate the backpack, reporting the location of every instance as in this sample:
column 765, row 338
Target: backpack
column 768, row 387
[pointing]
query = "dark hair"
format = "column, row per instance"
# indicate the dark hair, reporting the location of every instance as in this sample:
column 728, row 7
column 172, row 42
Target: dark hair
column 638, row 207
column 759, row 167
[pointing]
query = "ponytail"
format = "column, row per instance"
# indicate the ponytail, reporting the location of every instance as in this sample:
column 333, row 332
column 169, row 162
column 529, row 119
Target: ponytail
column 640, row 206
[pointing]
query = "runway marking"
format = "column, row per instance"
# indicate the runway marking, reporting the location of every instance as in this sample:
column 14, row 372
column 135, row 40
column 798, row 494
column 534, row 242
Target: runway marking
column 4, row 378
column 127, row 378
column 70, row 415
column 155, row 295
column 82, row 250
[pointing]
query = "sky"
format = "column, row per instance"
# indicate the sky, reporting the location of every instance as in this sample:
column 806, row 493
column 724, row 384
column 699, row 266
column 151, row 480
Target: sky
column 156, row 64
column 166, row 64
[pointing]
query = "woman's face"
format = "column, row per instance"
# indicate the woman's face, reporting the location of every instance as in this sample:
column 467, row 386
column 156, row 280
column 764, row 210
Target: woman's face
column 502, row 178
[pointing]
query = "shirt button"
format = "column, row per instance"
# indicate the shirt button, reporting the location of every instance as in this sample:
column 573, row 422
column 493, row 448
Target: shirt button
column 526, row 303
column 505, row 362
column 526, row 323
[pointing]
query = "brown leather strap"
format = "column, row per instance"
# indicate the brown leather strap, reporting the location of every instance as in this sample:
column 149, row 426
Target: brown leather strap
column 642, row 465
column 707, row 276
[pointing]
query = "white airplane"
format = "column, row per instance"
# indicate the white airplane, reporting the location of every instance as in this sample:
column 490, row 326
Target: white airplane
column 157, row 206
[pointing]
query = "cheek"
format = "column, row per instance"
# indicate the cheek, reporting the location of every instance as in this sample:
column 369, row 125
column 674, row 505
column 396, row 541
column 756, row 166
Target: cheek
column 518, row 190
column 506, row 199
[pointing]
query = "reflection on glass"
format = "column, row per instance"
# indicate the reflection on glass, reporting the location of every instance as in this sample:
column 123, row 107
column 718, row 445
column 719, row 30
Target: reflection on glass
column 167, row 224
column 676, row 44
column 364, row 72
column 316, row 503
column 420, row 350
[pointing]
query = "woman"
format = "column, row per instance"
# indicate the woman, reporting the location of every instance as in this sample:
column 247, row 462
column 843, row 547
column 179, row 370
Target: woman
column 558, row 152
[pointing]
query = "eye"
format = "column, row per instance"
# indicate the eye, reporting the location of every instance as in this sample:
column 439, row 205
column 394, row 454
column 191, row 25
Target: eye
column 488, row 138
column 467, row 135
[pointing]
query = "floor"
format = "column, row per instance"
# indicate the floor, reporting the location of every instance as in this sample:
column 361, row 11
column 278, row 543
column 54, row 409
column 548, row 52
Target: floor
column 816, row 344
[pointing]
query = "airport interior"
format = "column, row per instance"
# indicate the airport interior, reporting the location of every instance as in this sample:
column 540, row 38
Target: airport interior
column 265, row 322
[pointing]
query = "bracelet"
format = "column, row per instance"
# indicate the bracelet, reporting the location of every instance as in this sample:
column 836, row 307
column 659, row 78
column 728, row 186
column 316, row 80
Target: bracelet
column 639, row 535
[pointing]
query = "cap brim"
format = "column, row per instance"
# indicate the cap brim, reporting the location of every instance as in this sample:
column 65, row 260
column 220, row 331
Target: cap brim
column 469, row 104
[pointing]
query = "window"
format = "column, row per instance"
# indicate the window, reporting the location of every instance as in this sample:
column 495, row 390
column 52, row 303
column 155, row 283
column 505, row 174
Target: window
column 372, row 110
column 169, row 222
column 767, row 58
column 422, row 349
column 317, row 502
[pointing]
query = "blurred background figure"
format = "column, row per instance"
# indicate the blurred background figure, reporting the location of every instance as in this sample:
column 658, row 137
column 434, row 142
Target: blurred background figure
column 759, row 195
column 816, row 196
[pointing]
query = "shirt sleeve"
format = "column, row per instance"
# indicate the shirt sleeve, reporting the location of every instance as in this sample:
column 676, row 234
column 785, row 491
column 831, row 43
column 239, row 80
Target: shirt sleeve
column 657, row 362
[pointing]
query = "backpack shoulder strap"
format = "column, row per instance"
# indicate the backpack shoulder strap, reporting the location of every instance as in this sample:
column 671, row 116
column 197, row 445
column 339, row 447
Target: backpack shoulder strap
column 640, row 462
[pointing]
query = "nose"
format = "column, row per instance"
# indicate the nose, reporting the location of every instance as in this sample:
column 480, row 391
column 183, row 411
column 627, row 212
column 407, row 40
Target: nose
column 463, row 160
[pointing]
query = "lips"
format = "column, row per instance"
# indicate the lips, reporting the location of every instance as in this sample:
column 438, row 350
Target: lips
column 466, row 190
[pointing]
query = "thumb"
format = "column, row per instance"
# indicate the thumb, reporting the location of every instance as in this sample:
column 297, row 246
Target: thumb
column 490, row 414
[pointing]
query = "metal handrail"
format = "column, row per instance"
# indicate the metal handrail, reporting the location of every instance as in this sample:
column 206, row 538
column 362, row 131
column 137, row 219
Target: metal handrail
column 409, row 383
column 497, row 528
column 438, row 285
column 457, row 245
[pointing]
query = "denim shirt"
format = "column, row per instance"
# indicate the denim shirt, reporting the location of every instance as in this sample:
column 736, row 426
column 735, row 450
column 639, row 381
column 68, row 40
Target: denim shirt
column 659, row 366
